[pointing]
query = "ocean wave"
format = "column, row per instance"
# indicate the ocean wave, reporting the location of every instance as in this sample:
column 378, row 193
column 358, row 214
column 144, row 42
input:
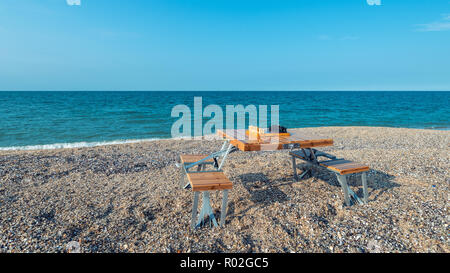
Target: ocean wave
column 75, row 145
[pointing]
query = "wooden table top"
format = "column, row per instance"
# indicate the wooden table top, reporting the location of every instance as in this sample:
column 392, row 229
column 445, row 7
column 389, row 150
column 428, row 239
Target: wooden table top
column 240, row 139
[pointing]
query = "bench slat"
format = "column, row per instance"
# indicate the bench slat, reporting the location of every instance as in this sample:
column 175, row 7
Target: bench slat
column 194, row 158
column 209, row 181
column 343, row 166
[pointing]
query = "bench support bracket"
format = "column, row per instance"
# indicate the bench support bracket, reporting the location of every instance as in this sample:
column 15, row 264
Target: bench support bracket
column 206, row 210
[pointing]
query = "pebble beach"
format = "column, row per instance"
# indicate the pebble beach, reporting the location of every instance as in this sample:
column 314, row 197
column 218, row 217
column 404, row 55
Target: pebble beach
column 127, row 198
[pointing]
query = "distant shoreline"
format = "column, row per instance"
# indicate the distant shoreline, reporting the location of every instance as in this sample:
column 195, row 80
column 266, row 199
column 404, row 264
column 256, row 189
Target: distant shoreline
column 84, row 144
column 31, row 120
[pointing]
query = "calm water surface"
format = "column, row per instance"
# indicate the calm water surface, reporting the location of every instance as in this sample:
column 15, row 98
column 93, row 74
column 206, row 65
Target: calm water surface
column 48, row 118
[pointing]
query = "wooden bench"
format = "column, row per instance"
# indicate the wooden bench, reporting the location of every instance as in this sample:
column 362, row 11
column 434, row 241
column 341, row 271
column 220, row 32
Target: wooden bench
column 209, row 181
column 187, row 159
column 341, row 167
column 204, row 182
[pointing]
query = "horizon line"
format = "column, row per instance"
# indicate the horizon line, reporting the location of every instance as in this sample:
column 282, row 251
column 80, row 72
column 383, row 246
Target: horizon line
column 339, row 90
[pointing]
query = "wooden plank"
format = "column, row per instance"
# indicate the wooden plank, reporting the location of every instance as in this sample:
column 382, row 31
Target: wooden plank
column 356, row 170
column 194, row 158
column 343, row 166
column 209, row 181
column 211, row 188
column 208, row 175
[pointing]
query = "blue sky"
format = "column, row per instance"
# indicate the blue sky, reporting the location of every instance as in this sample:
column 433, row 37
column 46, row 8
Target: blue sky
column 224, row 45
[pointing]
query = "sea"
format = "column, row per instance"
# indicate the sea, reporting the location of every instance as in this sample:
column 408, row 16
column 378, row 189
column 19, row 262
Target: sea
column 51, row 120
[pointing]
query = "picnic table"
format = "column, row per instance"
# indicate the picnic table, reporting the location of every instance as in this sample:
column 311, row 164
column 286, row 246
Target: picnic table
column 301, row 146
column 234, row 140
column 239, row 139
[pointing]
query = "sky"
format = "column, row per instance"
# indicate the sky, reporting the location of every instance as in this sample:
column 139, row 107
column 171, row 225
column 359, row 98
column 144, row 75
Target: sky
column 224, row 45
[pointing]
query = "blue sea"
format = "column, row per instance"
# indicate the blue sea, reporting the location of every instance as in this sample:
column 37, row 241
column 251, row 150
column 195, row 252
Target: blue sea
column 45, row 120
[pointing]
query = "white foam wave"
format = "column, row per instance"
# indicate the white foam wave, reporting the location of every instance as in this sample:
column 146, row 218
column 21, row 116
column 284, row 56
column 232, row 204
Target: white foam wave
column 74, row 145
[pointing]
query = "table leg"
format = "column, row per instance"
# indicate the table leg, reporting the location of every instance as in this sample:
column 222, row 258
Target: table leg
column 223, row 212
column 343, row 180
column 194, row 209
column 294, row 167
column 182, row 175
column 364, row 182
